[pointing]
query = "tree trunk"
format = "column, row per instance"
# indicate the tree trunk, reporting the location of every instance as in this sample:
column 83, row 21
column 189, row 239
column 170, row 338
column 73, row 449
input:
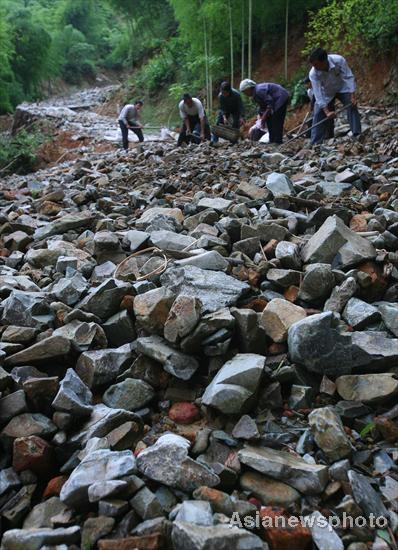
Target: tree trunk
column 249, row 41
column 210, row 78
column 206, row 61
column 286, row 35
column 243, row 40
column 231, row 43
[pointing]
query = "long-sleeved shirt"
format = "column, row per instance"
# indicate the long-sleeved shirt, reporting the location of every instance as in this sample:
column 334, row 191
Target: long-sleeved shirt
column 337, row 79
column 196, row 109
column 232, row 103
column 129, row 115
column 269, row 95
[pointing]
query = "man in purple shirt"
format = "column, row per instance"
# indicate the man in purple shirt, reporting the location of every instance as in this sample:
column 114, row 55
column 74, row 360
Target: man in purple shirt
column 272, row 100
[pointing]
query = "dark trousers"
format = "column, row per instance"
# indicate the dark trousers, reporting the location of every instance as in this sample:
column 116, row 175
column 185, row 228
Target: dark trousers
column 275, row 124
column 319, row 133
column 194, row 123
column 125, row 134
column 329, row 127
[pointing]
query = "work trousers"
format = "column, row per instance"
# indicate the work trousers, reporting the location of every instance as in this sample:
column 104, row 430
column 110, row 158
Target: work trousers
column 319, row 133
column 194, row 137
column 220, row 120
column 125, row 134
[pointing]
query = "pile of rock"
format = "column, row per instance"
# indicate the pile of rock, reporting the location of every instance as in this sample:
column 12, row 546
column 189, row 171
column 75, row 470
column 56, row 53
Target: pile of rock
column 240, row 365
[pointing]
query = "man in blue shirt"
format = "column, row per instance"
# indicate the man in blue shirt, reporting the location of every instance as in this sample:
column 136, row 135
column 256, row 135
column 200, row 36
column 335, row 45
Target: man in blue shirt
column 332, row 79
column 272, row 100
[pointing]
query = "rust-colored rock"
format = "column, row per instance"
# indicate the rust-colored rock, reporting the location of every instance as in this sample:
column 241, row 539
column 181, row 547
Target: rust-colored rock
column 359, row 222
column 146, row 542
column 33, row 453
column 387, row 427
column 54, row 486
column 184, row 413
column 283, row 538
column 127, row 303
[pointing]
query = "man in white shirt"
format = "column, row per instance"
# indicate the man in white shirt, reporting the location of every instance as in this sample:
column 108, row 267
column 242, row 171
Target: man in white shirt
column 195, row 128
column 129, row 119
column 332, row 79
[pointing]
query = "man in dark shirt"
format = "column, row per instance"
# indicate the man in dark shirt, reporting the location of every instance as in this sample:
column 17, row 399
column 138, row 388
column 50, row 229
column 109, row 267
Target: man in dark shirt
column 272, row 100
column 230, row 106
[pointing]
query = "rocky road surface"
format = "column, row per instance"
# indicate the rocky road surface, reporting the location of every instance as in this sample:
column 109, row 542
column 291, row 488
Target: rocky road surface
column 198, row 334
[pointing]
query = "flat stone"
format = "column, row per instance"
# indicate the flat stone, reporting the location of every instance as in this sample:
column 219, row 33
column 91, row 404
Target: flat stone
column 329, row 434
column 347, row 176
column 152, row 213
column 211, row 260
column 131, row 394
column 284, row 277
column 373, row 350
column 35, row 539
column 268, row 490
column 40, row 516
column 359, row 314
column 18, row 334
column 176, row 363
column 104, row 300
column 252, row 191
column 66, row 223
column 11, row 405
column 167, row 462
column 27, row 424
column 168, row 240
column 367, row 388
column 219, row 204
column 187, row 536
column 54, row 348
column 99, row 367
column 280, row 185
column 307, row 478
column 214, row 289
column 365, row 496
column 232, row 389
column 197, row 512
column 323, row 535
column 278, row 316
column 102, row 465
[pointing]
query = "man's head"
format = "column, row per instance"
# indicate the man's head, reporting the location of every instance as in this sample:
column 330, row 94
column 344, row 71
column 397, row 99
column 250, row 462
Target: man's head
column 187, row 98
column 319, row 59
column 247, row 87
column 226, row 89
column 138, row 104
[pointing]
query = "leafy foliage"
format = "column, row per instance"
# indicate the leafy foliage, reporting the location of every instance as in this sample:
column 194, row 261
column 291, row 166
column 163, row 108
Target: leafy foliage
column 19, row 154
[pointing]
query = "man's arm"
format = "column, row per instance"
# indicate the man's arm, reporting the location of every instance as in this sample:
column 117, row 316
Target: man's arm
column 320, row 98
column 349, row 80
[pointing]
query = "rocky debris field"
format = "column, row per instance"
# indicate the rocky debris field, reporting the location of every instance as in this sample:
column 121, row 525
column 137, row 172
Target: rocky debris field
column 198, row 334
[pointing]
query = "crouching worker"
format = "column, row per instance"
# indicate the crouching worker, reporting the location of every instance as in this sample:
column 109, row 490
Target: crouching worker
column 129, row 119
column 195, row 127
column 272, row 100
column 231, row 109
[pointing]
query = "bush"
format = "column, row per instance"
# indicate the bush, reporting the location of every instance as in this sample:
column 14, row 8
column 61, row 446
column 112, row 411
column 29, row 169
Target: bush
column 18, row 154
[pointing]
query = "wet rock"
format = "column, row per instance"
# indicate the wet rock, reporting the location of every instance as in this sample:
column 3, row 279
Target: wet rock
column 105, row 299
column 329, row 434
column 119, row 329
column 367, row 388
column 55, row 348
column 317, row 283
column 214, row 289
column 359, row 314
column 307, row 478
column 168, row 462
column 27, row 309
column 131, row 394
column 232, row 389
column 278, row 316
column 99, row 367
column 73, row 396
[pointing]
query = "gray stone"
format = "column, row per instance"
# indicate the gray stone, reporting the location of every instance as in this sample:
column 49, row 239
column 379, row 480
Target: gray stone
column 131, row 394
column 373, row 350
column 317, row 283
column 66, row 223
column 99, row 367
column 307, row 478
column 336, row 244
column 70, row 290
column 323, row 535
column 11, row 405
column 119, row 329
column 41, row 514
column 389, row 314
column 26, row 424
column 54, row 348
column 168, row 240
column 187, row 536
column 135, row 239
column 288, row 254
column 152, row 308
column 105, row 299
column 213, row 328
column 211, row 260
column 269, row 491
column 217, row 203
column 301, row 397
column 367, row 388
column 104, row 489
column 359, row 314
column 18, row 335
column 365, row 496
column 176, row 363
column 36, row 539
column 280, row 185
column 234, row 386
column 197, row 512
column 102, row 465
column 265, row 231
column 65, row 262
column 340, row 295
column 246, row 428
column 183, row 317
column 316, row 343
column 82, row 335
column 250, row 336
column 329, row 434
column 27, row 309
column 73, row 396
column 102, row 272
column 347, row 176
column 167, row 462
column 95, row 529
column 146, row 504
column 8, row 480
column 213, row 288
column 284, row 277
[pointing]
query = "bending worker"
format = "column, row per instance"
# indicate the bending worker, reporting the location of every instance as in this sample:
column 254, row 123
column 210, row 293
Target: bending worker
column 230, row 107
column 272, row 100
column 332, row 78
column 129, row 119
column 195, row 127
